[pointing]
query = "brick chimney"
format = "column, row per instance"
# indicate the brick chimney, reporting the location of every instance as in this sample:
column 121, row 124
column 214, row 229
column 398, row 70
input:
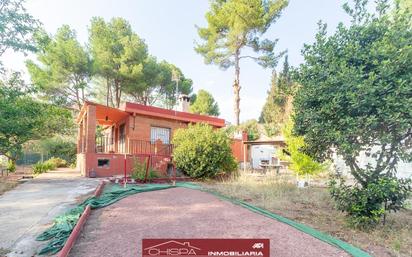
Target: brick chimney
column 183, row 103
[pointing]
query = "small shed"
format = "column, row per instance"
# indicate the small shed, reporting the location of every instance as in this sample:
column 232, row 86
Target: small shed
column 263, row 153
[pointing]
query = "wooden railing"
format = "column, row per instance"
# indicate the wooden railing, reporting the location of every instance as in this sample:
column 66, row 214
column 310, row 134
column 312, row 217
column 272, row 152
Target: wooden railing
column 105, row 144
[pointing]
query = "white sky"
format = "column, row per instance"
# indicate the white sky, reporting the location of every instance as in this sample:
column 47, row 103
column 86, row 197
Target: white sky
column 168, row 27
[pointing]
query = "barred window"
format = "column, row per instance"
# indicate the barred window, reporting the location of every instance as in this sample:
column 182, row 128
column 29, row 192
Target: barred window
column 160, row 133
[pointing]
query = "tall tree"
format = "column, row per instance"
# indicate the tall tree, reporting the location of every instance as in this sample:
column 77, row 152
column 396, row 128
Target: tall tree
column 118, row 54
column 167, row 84
column 156, row 86
column 204, row 104
column 278, row 106
column 235, row 26
column 356, row 97
column 22, row 118
column 63, row 70
column 16, row 27
column 144, row 90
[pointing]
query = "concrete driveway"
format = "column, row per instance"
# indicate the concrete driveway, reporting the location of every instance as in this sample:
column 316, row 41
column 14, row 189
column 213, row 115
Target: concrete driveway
column 30, row 208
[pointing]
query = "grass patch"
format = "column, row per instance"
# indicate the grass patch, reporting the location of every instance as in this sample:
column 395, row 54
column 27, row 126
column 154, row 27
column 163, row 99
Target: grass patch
column 314, row 207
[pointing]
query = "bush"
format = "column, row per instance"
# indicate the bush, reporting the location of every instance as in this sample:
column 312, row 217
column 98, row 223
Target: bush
column 42, row 167
column 203, row 152
column 368, row 205
column 57, row 162
column 139, row 171
column 11, row 166
column 252, row 129
column 39, row 168
column 300, row 163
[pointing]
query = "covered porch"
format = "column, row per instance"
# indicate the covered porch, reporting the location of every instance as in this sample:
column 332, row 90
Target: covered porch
column 107, row 145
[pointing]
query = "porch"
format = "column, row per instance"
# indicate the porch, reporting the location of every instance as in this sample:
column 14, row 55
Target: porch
column 108, row 143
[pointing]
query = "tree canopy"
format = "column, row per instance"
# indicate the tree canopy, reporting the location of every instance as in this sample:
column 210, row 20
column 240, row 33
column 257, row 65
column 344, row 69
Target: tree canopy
column 356, row 91
column 204, row 103
column 22, row 118
column 278, row 106
column 64, row 68
column 16, row 27
column 118, row 54
column 156, row 85
column 234, row 32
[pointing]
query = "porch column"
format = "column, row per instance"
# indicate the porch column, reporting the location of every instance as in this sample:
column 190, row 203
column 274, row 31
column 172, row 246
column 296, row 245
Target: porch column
column 91, row 129
column 244, row 156
column 80, row 137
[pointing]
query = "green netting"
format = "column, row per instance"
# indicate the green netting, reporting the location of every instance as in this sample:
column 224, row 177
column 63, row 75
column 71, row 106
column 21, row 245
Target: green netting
column 65, row 223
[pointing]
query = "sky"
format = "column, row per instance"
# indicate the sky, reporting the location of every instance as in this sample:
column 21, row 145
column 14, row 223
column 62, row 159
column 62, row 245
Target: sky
column 168, row 28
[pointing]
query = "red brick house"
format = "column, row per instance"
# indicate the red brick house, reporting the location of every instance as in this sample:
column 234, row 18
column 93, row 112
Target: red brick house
column 108, row 136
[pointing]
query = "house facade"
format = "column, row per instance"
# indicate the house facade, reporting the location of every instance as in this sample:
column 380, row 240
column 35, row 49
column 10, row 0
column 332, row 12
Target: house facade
column 110, row 140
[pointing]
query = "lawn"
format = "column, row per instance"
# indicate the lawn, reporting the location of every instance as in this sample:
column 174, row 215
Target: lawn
column 314, row 207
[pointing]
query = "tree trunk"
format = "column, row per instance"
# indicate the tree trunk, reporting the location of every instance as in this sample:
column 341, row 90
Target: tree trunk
column 83, row 98
column 78, row 102
column 236, row 89
column 118, row 93
column 108, row 91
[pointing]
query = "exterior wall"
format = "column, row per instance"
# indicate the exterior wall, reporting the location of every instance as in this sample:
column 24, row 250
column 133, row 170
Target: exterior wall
column 116, row 165
column 238, row 150
column 139, row 126
column 404, row 169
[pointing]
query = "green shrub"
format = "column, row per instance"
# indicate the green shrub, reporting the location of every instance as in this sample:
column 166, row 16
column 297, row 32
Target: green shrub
column 367, row 205
column 57, row 162
column 49, row 165
column 39, row 168
column 139, row 171
column 203, row 152
column 11, row 166
column 42, row 167
column 252, row 129
column 300, row 163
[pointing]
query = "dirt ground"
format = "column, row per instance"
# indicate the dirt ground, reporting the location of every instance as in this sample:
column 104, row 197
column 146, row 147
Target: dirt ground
column 8, row 181
column 118, row 229
column 313, row 206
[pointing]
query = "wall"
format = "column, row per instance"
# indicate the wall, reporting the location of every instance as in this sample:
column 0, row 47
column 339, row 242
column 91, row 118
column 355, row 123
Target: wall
column 237, row 149
column 116, row 165
column 237, row 146
column 404, row 169
column 140, row 128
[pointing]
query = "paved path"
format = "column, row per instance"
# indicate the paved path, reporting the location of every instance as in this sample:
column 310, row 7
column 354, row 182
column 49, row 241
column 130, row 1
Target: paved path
column 118, row 229
column 30, row 208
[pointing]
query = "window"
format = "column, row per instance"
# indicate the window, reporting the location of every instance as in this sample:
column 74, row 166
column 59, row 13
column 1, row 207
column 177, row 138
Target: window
column 103, row 163
column 160, row 133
